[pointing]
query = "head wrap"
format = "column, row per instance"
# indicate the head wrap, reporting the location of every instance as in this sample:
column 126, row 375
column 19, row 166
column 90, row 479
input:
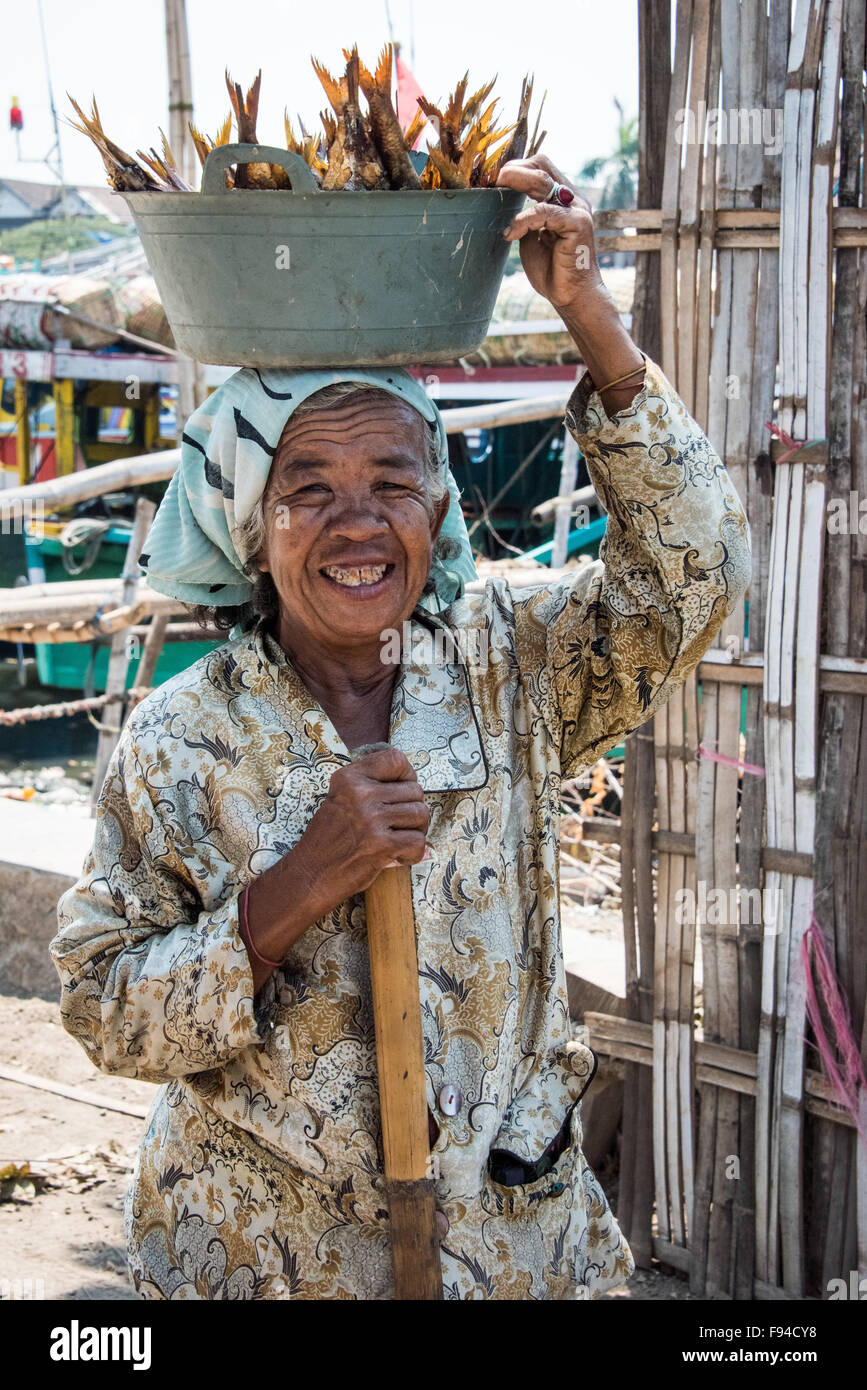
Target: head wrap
column 226, row 454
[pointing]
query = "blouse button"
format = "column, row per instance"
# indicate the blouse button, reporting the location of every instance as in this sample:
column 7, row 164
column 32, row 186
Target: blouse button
column 450, row 1100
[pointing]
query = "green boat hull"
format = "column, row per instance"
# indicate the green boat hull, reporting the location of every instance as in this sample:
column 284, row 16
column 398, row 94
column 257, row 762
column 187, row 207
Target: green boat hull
column 72, row 665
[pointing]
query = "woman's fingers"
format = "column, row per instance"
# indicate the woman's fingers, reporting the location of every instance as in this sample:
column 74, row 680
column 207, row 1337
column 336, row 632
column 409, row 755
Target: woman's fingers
column 413, row 815
column 550, row 217
column 535, row 176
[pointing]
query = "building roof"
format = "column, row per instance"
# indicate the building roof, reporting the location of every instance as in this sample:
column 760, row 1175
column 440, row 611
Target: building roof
column 105, row 202
column 42, row 198
column 37, row 196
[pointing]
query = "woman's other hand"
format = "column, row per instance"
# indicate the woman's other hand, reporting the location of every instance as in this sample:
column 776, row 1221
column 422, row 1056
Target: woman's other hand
column 373, row 817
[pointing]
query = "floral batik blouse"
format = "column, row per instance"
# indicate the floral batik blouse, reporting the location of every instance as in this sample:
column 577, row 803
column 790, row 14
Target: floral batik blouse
column 260, row 1173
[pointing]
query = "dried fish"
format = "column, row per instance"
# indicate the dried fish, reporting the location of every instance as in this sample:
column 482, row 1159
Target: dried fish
column 358, row 150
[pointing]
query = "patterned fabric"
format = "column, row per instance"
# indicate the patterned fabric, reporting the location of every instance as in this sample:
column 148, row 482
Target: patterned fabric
column 260, row 1174
column 226, row 455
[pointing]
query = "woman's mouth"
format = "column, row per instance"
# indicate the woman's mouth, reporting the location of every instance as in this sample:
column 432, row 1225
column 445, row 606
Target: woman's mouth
column 364, row 580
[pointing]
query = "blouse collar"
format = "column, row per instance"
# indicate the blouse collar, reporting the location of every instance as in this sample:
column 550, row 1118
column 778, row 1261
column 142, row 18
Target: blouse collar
column 433, row 719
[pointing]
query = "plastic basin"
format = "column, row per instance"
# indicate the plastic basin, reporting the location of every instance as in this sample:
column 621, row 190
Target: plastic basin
column 304, row 278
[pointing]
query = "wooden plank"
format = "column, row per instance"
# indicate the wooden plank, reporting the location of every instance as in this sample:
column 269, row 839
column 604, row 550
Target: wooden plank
column 732, row 239
column 83, row 1096
column 650, row 219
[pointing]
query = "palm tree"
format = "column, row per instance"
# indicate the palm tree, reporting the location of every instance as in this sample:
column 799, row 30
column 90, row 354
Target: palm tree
column 620, row 167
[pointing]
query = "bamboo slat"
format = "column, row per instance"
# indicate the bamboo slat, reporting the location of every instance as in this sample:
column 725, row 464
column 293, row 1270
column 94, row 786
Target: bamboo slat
column 687, row 213
column 635, row 1203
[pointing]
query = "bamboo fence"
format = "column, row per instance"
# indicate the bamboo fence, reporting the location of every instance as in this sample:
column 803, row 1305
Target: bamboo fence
column 751, row 292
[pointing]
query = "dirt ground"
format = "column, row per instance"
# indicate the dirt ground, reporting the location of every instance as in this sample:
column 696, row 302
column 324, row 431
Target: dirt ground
column 64, row 1231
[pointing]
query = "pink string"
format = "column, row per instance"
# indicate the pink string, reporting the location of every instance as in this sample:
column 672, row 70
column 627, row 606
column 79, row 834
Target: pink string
column 730, row 762
column 792, row 445
column 849, row 1079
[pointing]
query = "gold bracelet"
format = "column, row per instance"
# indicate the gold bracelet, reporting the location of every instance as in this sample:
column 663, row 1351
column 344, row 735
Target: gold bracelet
column 618, row 379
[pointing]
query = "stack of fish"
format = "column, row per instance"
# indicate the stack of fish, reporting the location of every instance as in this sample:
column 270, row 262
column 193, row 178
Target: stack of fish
column 358, row 150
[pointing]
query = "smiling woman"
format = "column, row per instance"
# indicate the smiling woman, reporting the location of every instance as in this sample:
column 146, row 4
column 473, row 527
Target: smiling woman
column 250, row 537
column 217, row 941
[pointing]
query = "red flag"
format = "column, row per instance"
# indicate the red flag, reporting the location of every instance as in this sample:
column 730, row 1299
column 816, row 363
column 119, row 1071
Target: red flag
column 407, row 92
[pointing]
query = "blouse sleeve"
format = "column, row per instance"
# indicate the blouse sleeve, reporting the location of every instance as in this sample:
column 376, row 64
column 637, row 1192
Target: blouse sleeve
column 152, row 986
column 602, row 650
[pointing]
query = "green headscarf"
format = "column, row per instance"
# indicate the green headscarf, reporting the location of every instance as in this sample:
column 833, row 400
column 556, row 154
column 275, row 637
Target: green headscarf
column 228, row 447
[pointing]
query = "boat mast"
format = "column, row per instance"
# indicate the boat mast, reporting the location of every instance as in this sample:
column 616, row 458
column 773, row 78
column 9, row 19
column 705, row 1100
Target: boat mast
column 54, row 159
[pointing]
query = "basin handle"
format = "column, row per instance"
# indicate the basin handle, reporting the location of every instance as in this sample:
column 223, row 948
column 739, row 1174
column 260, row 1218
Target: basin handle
column 222, row 156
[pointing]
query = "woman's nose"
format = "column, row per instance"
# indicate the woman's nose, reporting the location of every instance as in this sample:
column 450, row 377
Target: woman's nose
column 357, row 517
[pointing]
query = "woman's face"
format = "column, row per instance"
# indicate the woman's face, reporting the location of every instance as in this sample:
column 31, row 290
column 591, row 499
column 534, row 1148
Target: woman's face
column 346, row 493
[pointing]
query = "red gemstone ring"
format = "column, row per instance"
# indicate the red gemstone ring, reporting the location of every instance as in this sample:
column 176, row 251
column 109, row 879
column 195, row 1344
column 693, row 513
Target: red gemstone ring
column 561, row 195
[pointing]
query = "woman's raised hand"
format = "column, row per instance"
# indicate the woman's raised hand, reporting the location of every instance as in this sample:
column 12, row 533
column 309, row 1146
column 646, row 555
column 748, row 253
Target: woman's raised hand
column 558, row 252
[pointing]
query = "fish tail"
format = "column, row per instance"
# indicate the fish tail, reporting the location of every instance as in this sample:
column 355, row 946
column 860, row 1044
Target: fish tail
column 383, row 70
column 168, row 155
column 352, row 74
column 252, row 101
column 291, row 143
column 537, row 139
column 331, row 86
column 414, row 129
column 234, row 95
column 201, row 143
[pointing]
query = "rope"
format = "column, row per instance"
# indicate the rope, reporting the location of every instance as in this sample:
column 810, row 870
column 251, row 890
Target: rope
column 82, row 530
column 69, row 707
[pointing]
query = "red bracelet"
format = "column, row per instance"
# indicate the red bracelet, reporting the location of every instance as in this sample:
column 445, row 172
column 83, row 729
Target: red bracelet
column 247, row 935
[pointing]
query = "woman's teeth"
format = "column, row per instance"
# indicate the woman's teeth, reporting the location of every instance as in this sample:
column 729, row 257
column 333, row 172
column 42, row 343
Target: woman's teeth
column 369, row 574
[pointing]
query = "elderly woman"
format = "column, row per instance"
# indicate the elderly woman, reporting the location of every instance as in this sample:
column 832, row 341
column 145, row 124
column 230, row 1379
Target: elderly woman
column 216, row 943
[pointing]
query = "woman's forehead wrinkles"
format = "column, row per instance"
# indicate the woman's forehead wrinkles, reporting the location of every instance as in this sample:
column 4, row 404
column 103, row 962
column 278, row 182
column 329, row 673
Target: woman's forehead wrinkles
column 384, row 434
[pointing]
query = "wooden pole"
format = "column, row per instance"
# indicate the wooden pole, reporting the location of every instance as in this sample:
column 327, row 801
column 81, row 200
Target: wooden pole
column 402, row 1081
column 22, row 433
column 64, row 427
column 154, row 643
column 118, row 662
column 563, row 507
column 180, row 89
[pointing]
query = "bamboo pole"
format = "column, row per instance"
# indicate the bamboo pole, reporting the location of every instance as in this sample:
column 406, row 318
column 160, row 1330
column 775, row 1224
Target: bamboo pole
column 635, row 1204
column 563, row 504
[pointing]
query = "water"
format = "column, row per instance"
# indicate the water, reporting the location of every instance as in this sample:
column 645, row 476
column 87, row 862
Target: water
column 55, row 757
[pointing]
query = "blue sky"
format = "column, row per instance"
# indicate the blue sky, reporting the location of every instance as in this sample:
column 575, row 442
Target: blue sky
column 584, row 53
